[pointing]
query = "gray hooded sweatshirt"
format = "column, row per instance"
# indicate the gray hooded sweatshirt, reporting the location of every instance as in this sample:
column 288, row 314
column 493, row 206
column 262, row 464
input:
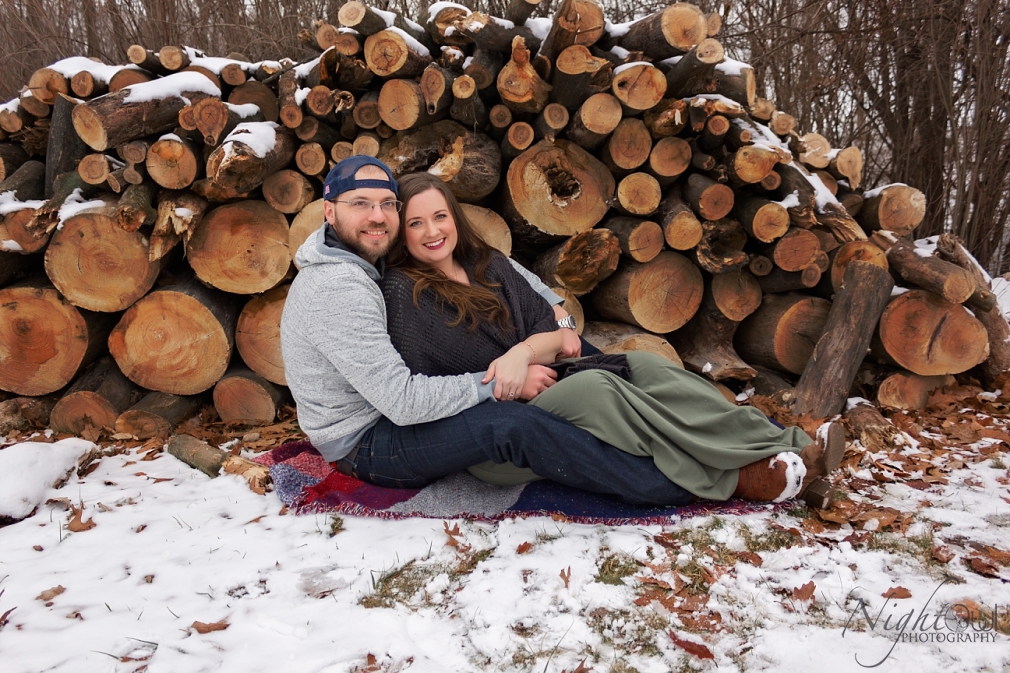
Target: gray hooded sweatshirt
column 339, row 363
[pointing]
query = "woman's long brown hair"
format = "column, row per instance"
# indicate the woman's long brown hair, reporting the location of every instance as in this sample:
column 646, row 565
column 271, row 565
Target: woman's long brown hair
column 474, row 303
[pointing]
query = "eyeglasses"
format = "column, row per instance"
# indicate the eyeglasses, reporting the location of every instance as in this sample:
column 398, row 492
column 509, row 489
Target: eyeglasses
column 366, row 206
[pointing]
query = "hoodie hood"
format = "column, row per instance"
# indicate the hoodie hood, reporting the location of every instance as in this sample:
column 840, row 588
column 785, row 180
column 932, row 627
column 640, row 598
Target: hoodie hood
column 319, row 248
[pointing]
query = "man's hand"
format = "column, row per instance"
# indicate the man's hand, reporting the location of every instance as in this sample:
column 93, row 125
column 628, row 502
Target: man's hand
column 538, row 379
column 571, row 344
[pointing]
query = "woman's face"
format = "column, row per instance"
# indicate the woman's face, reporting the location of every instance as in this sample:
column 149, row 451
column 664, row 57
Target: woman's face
column 429, row 229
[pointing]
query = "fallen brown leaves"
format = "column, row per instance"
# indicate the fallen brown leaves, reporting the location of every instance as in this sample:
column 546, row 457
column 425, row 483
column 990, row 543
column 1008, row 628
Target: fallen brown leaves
column 76, row 525
column 203, row 627
column 897, row 592
column 697, row 649
column 49, row 594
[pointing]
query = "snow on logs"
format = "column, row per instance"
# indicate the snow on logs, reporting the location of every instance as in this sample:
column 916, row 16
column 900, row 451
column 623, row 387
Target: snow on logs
column 632, row 166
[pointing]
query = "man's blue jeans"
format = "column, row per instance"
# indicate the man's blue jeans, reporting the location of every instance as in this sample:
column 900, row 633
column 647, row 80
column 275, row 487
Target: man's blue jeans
column 413, row 456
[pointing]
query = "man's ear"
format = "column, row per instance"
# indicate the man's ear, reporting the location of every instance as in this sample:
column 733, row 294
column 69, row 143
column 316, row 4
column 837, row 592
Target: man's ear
column 330, row 211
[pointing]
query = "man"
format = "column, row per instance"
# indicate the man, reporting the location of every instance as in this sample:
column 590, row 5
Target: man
column 365, row 412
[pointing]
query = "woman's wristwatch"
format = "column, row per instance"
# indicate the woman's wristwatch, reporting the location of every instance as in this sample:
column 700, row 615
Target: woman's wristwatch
column 568, row 322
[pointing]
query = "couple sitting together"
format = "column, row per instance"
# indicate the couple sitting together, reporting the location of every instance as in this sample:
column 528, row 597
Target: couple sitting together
column 414, row 350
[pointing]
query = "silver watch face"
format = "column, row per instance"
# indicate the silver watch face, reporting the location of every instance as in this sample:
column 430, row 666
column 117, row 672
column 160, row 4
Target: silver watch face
column 568, row 321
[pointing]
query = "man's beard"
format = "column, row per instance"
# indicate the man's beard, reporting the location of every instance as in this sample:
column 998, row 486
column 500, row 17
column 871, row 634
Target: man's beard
column 349, row 237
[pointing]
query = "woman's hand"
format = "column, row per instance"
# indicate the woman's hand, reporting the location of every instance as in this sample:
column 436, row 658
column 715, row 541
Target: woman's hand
column 510, row 370
column 538, row 379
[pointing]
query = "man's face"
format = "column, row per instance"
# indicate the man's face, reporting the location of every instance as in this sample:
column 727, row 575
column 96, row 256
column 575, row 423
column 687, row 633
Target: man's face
column 370, row 234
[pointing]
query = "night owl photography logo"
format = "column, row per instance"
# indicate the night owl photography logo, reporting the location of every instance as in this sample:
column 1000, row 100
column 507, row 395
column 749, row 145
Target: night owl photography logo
column 951, row 624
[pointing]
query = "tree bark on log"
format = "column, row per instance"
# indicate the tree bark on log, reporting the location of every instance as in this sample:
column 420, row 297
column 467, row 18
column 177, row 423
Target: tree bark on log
column 574, row 22
column 114, row 119
column 670, row 32
column 555, row 189
column 778, row 281
column 178, row 339
column 97, row 265
column 178, row 215
column 628, row 294
column 65, row 148
column 258, row 334
column 468, row 108
column 616, row 337
column 930, row 336
column 950, row 281
column 705, row 344
column 237, row 163
column 689, row 75
column 824, row 386
column 156, row 415
column 578, row 75
column 255, row 229
column 27, row 182
column 96, row 399
column 242, row 396
column 802, row 212
column 11, row 158
column 44, row 339
column 781, row 334
column 582, row 262
column 135, row 208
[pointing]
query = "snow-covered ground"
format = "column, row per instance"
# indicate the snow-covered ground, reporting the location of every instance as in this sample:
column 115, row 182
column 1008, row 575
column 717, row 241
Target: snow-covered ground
column 180, row 572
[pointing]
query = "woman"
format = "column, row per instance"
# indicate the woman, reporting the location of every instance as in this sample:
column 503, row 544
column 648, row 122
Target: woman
column 454, row 305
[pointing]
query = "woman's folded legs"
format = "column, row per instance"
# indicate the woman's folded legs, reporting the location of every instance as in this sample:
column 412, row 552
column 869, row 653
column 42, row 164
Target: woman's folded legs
column 695, row 436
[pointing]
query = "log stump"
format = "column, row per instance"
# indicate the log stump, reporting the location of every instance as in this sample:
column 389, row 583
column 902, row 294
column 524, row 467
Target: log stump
column 178, row 339
column 241, row 247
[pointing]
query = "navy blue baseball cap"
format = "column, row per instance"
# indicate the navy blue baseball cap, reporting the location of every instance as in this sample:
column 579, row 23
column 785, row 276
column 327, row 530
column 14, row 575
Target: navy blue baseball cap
column 341, row 178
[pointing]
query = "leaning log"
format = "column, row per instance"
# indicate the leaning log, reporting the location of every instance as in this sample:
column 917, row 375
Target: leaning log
column 824, row 386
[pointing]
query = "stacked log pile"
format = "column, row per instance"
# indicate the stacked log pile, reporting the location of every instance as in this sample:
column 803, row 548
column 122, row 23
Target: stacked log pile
column 151, row 211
